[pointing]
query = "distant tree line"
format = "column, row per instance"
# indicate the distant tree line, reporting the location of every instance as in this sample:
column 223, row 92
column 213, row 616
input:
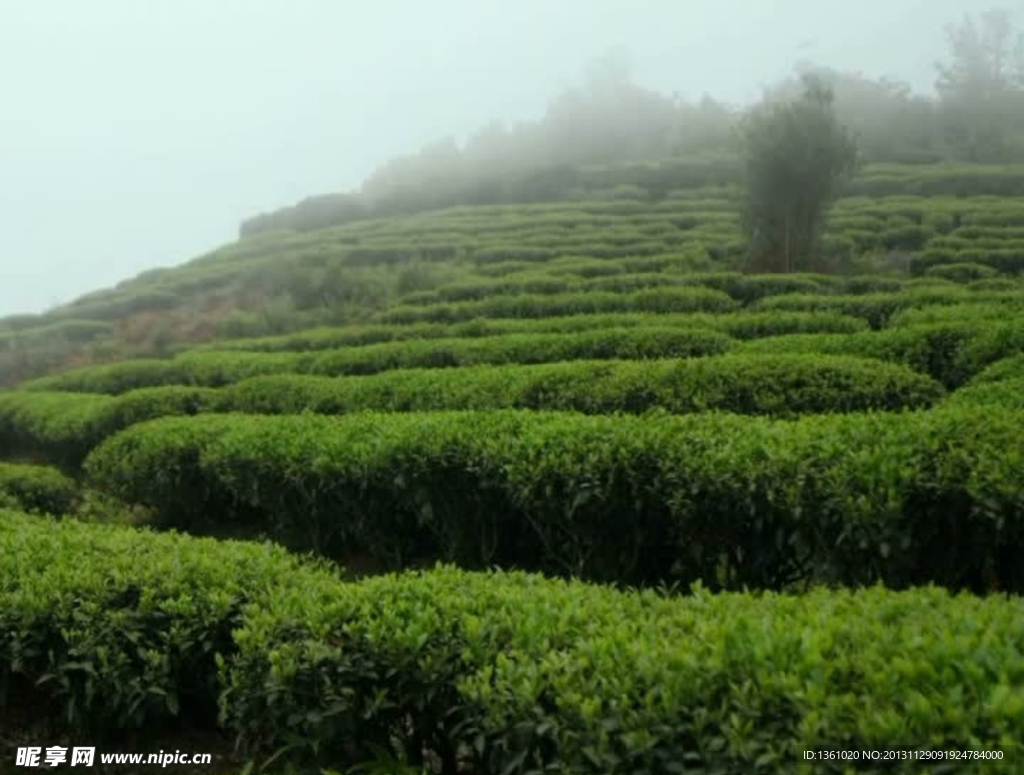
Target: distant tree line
column 975, row 115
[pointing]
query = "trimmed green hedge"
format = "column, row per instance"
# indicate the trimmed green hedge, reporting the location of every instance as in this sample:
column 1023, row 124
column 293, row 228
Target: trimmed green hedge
column 54, row 426
column 905, row 498
column 112, row 630
column 509, row 673
column 951, row 352
column 37, row 488
column 686, row 299
column 1007, row 393
column 785, row 385
column 878, row 308
column 744, row 288
column 202, row 368
column 65, row 426
column 215, row 369
column 1005, row 369
column 626, row 343
column 743, row 324
column 962, row 272
column 956, row 313
column 1005, row 260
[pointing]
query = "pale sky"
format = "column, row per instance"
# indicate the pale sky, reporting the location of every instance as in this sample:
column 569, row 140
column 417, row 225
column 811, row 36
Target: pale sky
column 139, row 134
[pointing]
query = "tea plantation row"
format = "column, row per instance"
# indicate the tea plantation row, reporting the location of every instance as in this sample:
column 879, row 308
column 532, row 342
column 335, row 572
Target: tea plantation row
column 906, row 498
column 36, row 489
column 64, row 427
column 108, row 628
column 948, row 350
column 310, row 275
column 742, row 324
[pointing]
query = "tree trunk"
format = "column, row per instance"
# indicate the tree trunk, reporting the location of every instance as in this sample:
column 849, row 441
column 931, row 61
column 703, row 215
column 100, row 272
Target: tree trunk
column 787, row 263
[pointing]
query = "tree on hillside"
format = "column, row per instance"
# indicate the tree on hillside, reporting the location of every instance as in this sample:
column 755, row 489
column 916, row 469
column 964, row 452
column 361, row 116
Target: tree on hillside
column 982, row 87
column 890, row 122
column 797, row 156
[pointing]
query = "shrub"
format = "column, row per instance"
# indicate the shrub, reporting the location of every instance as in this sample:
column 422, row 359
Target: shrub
column 877, row 308
column 951, row 352
column 35, row 488
column 54, row 426
column 961, row 273
column 743, row 324
column 783, row 385
column 514, row 674
column 215, row 369
column 1009, row 260
column 64, row 427
column 123, row 634
column 626, row 343
column 904, row 498
column 109, row 630
column 956, row 313
column 1008, row 393
column 684, row 299
column 1005, row 369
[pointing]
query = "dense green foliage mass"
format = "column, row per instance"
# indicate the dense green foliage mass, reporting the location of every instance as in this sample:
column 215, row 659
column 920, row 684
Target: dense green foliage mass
column 111, row 629
column 797, row 157
column 742, row 324
column 908, row 498
column 64, row 427
column 215, row 369
column 801, row 492
column 581, row 389
column 108, row 629
column 36, row 488
column 894, row 218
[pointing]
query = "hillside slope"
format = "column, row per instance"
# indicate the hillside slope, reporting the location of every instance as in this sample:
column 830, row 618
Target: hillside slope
column 553, row 487
column 673, row 216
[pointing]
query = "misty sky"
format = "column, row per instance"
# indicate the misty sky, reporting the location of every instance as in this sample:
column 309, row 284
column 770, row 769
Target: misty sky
column 138, row 134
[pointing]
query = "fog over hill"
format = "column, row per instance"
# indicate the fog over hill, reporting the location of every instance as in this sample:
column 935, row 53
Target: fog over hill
column 139, row 135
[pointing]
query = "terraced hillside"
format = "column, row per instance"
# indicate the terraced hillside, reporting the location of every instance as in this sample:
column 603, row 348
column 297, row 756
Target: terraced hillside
column 593, row 232
column 684, row 515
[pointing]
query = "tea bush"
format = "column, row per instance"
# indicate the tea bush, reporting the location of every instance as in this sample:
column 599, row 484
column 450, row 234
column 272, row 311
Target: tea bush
column 121, row 634
column 108, row 630
column 906, row 498
column 64, row 427
column 215, row 369
column 509, row 673
column 36, row 488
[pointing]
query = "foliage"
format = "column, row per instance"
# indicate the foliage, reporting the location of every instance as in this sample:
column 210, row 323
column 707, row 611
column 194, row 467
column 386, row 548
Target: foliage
column 784, row 385
column 36, row 488
column 107, row 630
column 982, row 87
column 904, row 498
column 963, row 272
column 879, row 308
column 797, row 157
column 951, row 351
column 64, row 427
column 112, row 631
column 542, row 357
column 510, row 673
column 1007, row 393
column 215, row 369
column 695, row 299
column 743, row 324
